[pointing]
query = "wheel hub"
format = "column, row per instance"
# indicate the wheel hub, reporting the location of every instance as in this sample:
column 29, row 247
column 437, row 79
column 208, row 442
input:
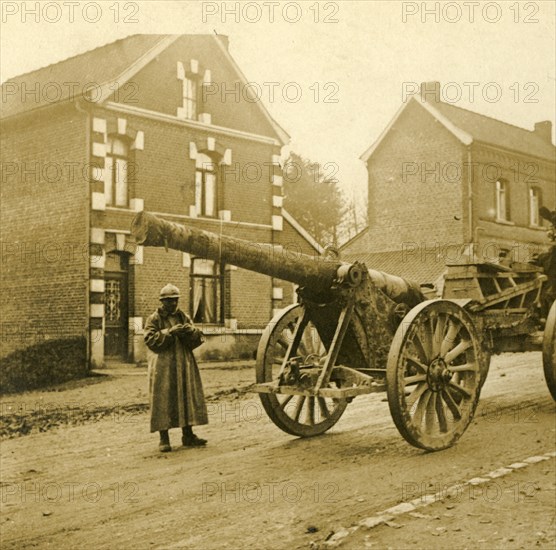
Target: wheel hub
column 438, row 375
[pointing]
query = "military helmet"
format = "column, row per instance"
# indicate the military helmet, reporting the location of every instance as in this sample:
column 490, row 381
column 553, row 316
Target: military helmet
column 169, row 291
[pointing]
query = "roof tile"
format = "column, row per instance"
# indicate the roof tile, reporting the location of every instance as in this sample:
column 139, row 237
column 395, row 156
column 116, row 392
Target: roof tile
column 495, row 132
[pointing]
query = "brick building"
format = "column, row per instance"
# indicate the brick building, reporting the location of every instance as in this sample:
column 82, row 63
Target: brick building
column 164, row 123
column 446, row 183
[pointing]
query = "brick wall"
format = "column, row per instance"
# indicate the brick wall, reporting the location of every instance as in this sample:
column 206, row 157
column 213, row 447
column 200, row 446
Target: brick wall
column 44, row 231
column 410, row 197
column 520, row 173
column 158, row 88
column 164, row 179
column 164, row 173
column 419, row 177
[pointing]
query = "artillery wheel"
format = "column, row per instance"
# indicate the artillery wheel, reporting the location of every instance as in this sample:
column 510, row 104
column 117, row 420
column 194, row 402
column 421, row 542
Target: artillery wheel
column 434, row 374
column 549, row 351
column 294, row 414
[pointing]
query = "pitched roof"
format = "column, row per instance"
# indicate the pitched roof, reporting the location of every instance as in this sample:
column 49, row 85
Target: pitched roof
column 468, row 126
column 101, row 68
column 422, row 270
column 495, row 132
column 67, row 79
column 302, row 231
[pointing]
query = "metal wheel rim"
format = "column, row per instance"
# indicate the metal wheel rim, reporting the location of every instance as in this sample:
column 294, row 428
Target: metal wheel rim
column 302, row 416
column 549, row 351
column 434, row 374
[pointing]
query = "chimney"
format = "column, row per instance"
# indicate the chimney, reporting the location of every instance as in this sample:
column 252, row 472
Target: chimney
column 544, row 130
column 430, row 91
column 224, row 40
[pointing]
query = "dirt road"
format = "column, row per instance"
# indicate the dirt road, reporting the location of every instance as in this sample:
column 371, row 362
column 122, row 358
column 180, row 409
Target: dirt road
column 105, row 485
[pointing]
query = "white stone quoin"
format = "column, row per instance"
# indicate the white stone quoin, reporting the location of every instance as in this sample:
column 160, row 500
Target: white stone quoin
column 277, row 223
column 277, row 180
column 277, row 201
column 205, row 118
column 192, row 150
column 97, row 345
column 99, row 149
column 98, row 201
column 97, row 285
column 96, row 310
column 120, row 241
column 227, row 158
column 97, row 260
column 97, row 235
column 139, row 142
column 180, row 71
column 99, row 125
column 137, row 205
column 122, row 126
column 136, row 325
column 225, row 215
column 137, row 258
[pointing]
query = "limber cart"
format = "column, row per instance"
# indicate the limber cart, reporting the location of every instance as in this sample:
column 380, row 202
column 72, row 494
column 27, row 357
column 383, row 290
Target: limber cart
column 357, row 331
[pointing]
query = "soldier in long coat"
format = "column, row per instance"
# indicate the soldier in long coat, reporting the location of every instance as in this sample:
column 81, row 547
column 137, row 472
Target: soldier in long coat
column 175, row 388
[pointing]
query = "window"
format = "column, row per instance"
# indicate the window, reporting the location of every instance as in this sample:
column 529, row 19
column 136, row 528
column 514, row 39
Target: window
column 205, row 186
column 190, row 97
column 115, row 172
column 535, row 202
column 502, row 200
column 207, row 298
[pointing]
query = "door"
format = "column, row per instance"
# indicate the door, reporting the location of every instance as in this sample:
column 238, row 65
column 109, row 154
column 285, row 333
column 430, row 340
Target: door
column 116, row 308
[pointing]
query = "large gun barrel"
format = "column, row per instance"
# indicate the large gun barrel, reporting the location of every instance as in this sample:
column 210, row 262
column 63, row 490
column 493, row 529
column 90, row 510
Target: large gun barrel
column 318, row 274
column 293, row 266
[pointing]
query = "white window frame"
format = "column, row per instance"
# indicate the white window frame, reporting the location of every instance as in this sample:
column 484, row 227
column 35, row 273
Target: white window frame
column 206, row 186
column 190, row 96
column 535, row 202
column 503, row 212
column 116, row 185
column 207, row 284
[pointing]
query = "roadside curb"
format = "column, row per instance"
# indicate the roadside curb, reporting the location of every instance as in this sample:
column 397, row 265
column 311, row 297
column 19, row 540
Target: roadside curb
column 387, row 515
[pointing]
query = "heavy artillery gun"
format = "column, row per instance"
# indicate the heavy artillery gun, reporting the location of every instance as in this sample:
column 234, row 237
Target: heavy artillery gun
column 357, row 331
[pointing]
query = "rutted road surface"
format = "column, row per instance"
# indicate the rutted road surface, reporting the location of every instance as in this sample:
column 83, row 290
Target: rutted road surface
column 105, row 485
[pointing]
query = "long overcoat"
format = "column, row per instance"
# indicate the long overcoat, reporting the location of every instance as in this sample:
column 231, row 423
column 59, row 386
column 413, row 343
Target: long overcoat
column 175, row 388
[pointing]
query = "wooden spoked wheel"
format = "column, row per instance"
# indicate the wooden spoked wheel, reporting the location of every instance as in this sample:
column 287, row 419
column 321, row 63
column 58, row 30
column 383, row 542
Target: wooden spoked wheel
column 434, row 374
column 549, row 351
column 298, row 415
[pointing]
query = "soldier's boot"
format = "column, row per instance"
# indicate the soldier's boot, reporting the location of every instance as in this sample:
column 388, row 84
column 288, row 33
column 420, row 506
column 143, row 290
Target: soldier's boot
column 189, row 439
column 164, row 445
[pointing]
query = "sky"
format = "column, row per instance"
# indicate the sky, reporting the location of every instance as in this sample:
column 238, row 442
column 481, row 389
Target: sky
column 342, row 69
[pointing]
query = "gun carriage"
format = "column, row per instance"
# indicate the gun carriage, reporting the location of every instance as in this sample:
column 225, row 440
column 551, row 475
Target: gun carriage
column 357, row 331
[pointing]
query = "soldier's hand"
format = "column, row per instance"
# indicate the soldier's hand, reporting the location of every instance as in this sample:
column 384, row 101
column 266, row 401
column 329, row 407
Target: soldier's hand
column 188, row 328
column 176, row 329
